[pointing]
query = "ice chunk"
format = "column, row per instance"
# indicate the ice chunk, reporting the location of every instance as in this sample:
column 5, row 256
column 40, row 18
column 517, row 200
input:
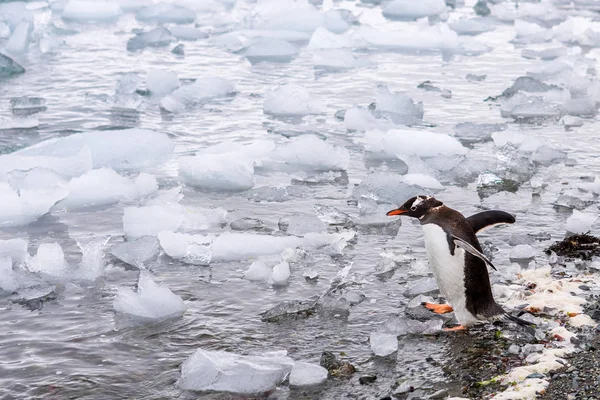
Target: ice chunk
column 91, row 11
column 8, row 66
column 545, row 155
column 570, row 121
column 580, row 222
column 305, row 374
column 386, row 187
column 383, row 344
column 151, row 302
column 25, row 105
column 19, row 123
column 474, row 26
column 469, row 132
column 331, row 215
column 49, row 260
column 92, row 258
column 15, row 249
column 136, row 252
column 409, row 10
column 259, row 271
column 429, row 87
column 179, row 50
column 161, row 82
column 228, row 372
column 294, row 15
column 15, row 12
column 324, row 39
column 308, row 152
column 360, row 119
column 402, row 326
column 425, row 285
column 422, row 180
column 247, row 224
column 162, row 13
column 19, row 40
column 202, row 91
column 398, row 107
column 191, row 249
column 404, row 141
column 187, row 33
column 545, row 54
column 130, row 149
column 281, row 273
column 105, row 186
column 522, row 252
column 217, row 172
column 151, row 220
column 242, row 246
column 27, row 205
column 8, row 279
column 288, row 100
column 66, row 167
column 270, row 50
column 300, row 225
column 334, row 60
column 157, row 37
column 475, row 78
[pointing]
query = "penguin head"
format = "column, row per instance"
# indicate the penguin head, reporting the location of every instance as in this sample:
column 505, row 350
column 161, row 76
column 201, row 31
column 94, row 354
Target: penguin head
column 416, row 206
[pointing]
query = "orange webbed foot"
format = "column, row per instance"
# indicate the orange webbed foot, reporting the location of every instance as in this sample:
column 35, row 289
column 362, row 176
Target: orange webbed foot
column 439, row 308
column 456, row 328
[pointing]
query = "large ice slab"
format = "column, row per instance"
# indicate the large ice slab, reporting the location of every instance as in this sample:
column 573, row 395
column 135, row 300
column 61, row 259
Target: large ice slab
column 410, row 10
column 16, row 249
column 308, row 152
column 412, row 142
column 269, row 50
column 162, row 13
column 127, row 149
column 288, row 100
column 437, row 38
column 161, row 82
column 27, row 205
column 67, row 167
column 217, row 172
column 151, row 302
column 203, row 90
column 151, row 220
column 397, row 107
column 91, row 11
column 228, row 372
column 242, row 246
column 191, row 249
column 305, row 374
column 104, row 186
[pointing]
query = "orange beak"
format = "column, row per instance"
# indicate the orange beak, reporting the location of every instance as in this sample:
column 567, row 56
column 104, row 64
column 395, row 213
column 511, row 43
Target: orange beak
column 397, row 211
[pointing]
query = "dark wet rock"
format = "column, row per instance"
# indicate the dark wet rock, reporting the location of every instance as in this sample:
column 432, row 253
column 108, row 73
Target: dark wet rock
column 475, row 78
column 576, row 246
column 530, row 85
column 179, row 50
column 9, row 67
column 335, row 366
column 429, row 87
column 365, row 379
column 535, row 375
column 290, row 309
column 481, row 8
column 246, row 223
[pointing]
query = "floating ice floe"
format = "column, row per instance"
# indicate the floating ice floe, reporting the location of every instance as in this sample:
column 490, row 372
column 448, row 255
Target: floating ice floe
column 397, row 107
column 162, row 13
column 49, row 260
column 217, row 172
column 191, row 249
column 151, row 302
column 289, row 100
column 305, row 374
column 580, row 222
column 383, row 344
column 161, row 82
column 19, row 123
column 9, row 67
column 269, row 50
column 157, row 37
column 408, row 10
column 335, row 60
column 208, row 370
column 129, row 149
column 300, row 225
column 187, row 33
column 91, row 11
column 388, row 188
column 151, row 220
column 66, row 167
column 412, row 142
column 16, row 249
column 19, row 40
column 202, row 91
column 324, row 39
column 433, row 39
column 27, row 205
column 136, row 252
column 308, row 152
column 474, row 26
column 243, row 246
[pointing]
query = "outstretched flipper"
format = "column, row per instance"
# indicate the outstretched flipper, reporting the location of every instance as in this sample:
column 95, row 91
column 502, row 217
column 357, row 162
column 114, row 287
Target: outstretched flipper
column 490, row 218
column 470, row 249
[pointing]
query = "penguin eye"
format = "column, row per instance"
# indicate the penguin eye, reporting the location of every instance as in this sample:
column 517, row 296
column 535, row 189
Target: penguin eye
column 413, row 208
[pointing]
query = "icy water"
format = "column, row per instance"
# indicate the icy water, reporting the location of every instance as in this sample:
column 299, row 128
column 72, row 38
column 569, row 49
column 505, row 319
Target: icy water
column 71, row 345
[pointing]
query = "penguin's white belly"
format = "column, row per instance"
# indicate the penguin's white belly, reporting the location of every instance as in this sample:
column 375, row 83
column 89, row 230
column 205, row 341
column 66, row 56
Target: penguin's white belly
column 449, row 271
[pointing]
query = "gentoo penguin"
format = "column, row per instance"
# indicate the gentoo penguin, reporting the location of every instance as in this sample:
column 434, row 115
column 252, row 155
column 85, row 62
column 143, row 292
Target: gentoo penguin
column 459, row 266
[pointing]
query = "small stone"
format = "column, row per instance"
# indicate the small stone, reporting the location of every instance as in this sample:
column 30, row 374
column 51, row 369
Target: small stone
column 514, row 349
column 365, row 379
column 535, row 375
column 584, row 287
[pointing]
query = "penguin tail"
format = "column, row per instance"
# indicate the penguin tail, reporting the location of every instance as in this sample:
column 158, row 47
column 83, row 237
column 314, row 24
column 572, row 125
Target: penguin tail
column 529, row 326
